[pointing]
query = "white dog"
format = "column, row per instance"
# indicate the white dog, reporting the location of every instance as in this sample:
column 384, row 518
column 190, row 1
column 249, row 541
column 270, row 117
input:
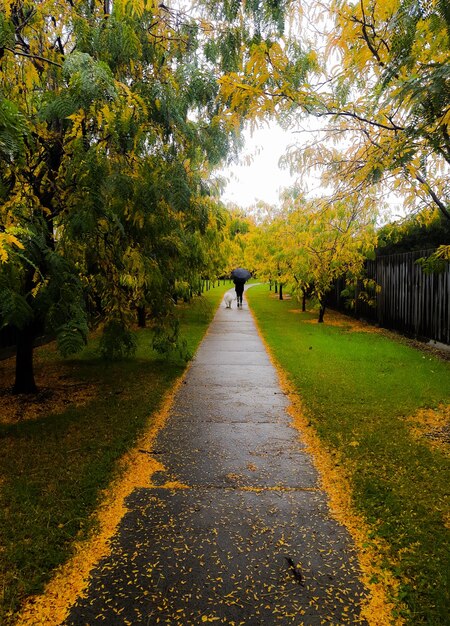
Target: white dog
column 228, row 299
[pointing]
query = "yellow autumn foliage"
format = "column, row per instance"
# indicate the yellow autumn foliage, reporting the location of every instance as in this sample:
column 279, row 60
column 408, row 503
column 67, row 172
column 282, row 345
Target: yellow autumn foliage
column 6, row 241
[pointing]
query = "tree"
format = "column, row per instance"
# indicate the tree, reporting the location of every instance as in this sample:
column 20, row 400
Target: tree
column 311, row 243
column 238, row 229
column 109, row 124
column 331, row 239
column 268, row 252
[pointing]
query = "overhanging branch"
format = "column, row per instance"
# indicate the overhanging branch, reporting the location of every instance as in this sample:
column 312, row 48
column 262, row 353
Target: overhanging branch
column 36, row 57
column 442, row 207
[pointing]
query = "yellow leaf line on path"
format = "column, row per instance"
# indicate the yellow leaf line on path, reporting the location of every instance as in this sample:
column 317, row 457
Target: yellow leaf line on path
column 71, row 579
column 279, row 488
column 381, row 584
column 173, row 485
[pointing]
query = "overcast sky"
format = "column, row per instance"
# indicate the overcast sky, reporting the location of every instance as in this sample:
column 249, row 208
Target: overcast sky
column 259, row 177
column 262, row 179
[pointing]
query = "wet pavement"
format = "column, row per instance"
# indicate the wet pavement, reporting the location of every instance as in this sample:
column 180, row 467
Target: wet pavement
column 234, row 530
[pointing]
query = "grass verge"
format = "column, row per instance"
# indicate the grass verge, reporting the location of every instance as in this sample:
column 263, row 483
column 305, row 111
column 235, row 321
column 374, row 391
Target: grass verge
column 60, row 451
column 366, row 395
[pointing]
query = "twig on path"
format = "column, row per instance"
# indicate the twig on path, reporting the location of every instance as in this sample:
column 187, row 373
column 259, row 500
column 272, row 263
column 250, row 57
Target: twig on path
column 295, row 570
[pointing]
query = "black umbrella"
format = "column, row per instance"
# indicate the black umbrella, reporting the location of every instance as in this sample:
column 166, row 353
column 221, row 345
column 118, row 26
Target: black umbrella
column 240, row 274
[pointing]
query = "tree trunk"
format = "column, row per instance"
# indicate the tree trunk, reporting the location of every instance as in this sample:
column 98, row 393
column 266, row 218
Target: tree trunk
column 276, row 287
column 321, row 313
column 270, row 285
column 142, row 316
column 281, row 291
column 24, row 382
column 303, row 300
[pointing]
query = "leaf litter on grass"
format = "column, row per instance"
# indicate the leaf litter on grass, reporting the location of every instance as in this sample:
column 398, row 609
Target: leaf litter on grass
column 58, row 388
column 432, row 426
column 334, row 318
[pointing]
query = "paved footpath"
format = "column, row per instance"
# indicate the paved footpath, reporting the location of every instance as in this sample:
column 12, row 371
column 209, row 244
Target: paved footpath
column 244, row 536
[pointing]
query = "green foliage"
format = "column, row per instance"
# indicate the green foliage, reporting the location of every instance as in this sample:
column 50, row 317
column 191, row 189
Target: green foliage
column 88, row 80
column 39, row 288
column 66, row 314
column 117, row 43
column 6, row 31
column 360, row 289
column 430, row 109
column 72, row 336
column 14, row 309
column 12, row 130
column 260, row 17
column 117, row 342
column 436, row 262
column 403, row 25
column 167, row 340
column 420, row 232
column 58, row 106
column 390, row 99
column 224, row 51
column 443, row 10
column 179, row 191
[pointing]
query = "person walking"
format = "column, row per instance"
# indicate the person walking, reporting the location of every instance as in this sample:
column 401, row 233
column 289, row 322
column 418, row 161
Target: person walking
column 239, row 289
column 240, row 276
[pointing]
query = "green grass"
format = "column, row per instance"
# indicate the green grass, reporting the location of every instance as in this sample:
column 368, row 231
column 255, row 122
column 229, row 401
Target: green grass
column 53, row 468
column 358, row 388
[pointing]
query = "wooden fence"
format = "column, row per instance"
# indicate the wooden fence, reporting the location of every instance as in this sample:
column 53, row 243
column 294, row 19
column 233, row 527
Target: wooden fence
column 410, row 301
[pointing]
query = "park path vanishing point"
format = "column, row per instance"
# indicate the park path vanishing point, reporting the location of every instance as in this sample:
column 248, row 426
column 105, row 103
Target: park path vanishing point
column 235, row 529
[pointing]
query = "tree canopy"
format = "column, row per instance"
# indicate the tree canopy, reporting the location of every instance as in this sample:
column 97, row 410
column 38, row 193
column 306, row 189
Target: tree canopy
column 377, row 77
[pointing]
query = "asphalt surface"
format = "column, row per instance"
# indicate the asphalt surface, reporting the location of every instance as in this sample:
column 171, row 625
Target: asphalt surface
column 235, row 529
